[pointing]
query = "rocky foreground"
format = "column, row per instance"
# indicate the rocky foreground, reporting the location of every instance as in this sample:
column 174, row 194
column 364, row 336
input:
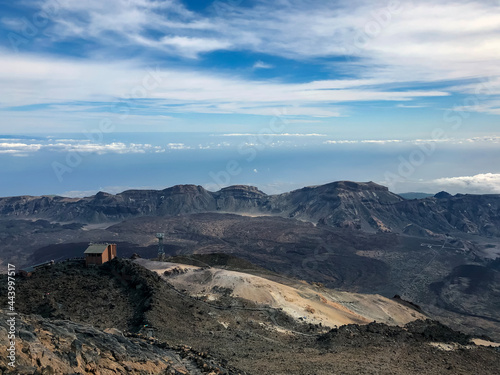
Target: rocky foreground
column 77, row 320
column 55, row 347
column 46, row 346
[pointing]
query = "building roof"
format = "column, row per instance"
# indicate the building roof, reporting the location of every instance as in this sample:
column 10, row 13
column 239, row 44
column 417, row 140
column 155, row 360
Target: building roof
column 33, row 267
column 96, row 248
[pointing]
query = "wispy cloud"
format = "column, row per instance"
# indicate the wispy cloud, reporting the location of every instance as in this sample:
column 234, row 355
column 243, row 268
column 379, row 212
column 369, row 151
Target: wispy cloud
column 167, row 25
column 454, row 31
column 262, row 65
column 27, row 80
column 397, row 41
column 188, row 46
column 410, row 106
column 382, row 51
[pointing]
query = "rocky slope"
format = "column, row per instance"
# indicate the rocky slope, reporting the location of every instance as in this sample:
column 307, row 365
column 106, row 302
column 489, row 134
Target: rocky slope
column 56, row 347
column 301, row 301
column 222, row 336
column 365, row 206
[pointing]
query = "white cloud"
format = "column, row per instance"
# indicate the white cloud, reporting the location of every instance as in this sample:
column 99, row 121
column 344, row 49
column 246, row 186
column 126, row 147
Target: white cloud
column 115, row 147
column 11, row 148
column 484, row 139
column 30, row 79
column 482, row 105
column 383, row 141
column 19, row 149
column 396, row 40
column 125, row 23
column 194, row 45
column 187, row 46
column 365, row 141
column 481, row 183
column 341, row 142
column 410, row 106
column 420, row 41
column 14, row 24
column 262, row 65
column 177, row 146
column 272, row 134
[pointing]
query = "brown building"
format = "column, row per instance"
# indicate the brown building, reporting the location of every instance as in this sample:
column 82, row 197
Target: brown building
column 97, row 254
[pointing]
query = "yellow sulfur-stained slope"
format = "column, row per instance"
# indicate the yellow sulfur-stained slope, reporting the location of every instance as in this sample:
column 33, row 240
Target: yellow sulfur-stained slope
column 326, row 306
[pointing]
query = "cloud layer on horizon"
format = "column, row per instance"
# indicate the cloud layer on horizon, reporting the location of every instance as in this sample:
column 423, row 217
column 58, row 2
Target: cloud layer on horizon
column 18, row 148
column 484, row 183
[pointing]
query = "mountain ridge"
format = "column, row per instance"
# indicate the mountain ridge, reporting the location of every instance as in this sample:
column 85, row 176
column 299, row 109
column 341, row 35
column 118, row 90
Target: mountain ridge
column 346, row 204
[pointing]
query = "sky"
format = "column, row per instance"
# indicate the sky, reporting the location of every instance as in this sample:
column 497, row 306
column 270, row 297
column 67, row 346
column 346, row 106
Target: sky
column 404, row 93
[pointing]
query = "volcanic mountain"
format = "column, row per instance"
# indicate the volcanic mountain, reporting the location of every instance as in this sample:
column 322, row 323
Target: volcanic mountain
column 344, row 204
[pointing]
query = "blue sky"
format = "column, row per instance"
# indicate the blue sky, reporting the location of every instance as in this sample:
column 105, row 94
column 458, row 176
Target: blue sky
column 349, row 70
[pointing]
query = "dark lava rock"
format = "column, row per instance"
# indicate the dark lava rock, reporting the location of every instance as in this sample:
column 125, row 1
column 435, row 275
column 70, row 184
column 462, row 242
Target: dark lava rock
column 382, row 335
